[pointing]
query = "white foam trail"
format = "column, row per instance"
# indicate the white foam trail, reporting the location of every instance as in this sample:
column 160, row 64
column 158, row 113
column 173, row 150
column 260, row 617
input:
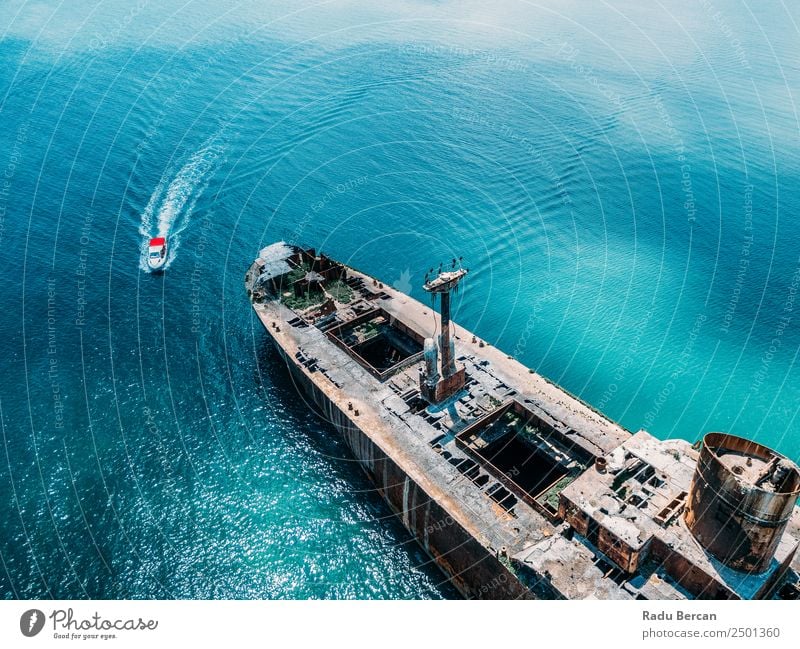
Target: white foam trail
column 171, row 209
column 146, row 224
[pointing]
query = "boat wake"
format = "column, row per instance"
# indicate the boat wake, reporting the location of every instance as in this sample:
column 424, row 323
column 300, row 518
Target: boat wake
column 170, row 207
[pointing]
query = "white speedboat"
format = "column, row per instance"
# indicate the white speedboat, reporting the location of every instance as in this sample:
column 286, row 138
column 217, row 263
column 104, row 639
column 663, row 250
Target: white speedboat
column 157, row 253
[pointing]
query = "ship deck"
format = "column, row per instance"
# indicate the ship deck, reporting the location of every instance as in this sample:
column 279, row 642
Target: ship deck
column 424, row 441
column 505, row 461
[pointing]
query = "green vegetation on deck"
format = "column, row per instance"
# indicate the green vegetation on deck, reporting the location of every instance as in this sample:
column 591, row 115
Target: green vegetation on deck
column 303, row 302
column 550, row 497
column 335, row 288
column 339, row 291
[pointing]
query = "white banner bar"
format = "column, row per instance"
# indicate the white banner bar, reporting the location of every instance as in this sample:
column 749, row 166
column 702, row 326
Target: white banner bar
column 390, row 625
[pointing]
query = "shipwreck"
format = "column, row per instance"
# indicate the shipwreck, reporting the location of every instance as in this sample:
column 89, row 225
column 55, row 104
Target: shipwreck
column 513, row 486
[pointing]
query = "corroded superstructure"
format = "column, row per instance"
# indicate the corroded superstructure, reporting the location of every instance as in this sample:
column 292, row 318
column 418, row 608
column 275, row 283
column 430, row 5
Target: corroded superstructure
column 514, row 487
column 741, row 500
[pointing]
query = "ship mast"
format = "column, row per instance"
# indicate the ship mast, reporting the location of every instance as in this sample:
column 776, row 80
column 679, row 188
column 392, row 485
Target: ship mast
column 433, row 388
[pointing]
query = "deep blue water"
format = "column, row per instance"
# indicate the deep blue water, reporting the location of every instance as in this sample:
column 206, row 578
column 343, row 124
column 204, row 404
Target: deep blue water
column 622, row 181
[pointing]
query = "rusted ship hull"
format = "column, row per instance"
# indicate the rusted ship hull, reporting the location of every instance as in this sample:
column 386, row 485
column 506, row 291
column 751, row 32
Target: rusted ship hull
column 469, row 566
column 514, row 487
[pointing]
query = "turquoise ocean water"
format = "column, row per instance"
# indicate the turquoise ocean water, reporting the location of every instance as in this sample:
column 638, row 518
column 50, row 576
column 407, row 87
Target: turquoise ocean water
column 622, row 180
